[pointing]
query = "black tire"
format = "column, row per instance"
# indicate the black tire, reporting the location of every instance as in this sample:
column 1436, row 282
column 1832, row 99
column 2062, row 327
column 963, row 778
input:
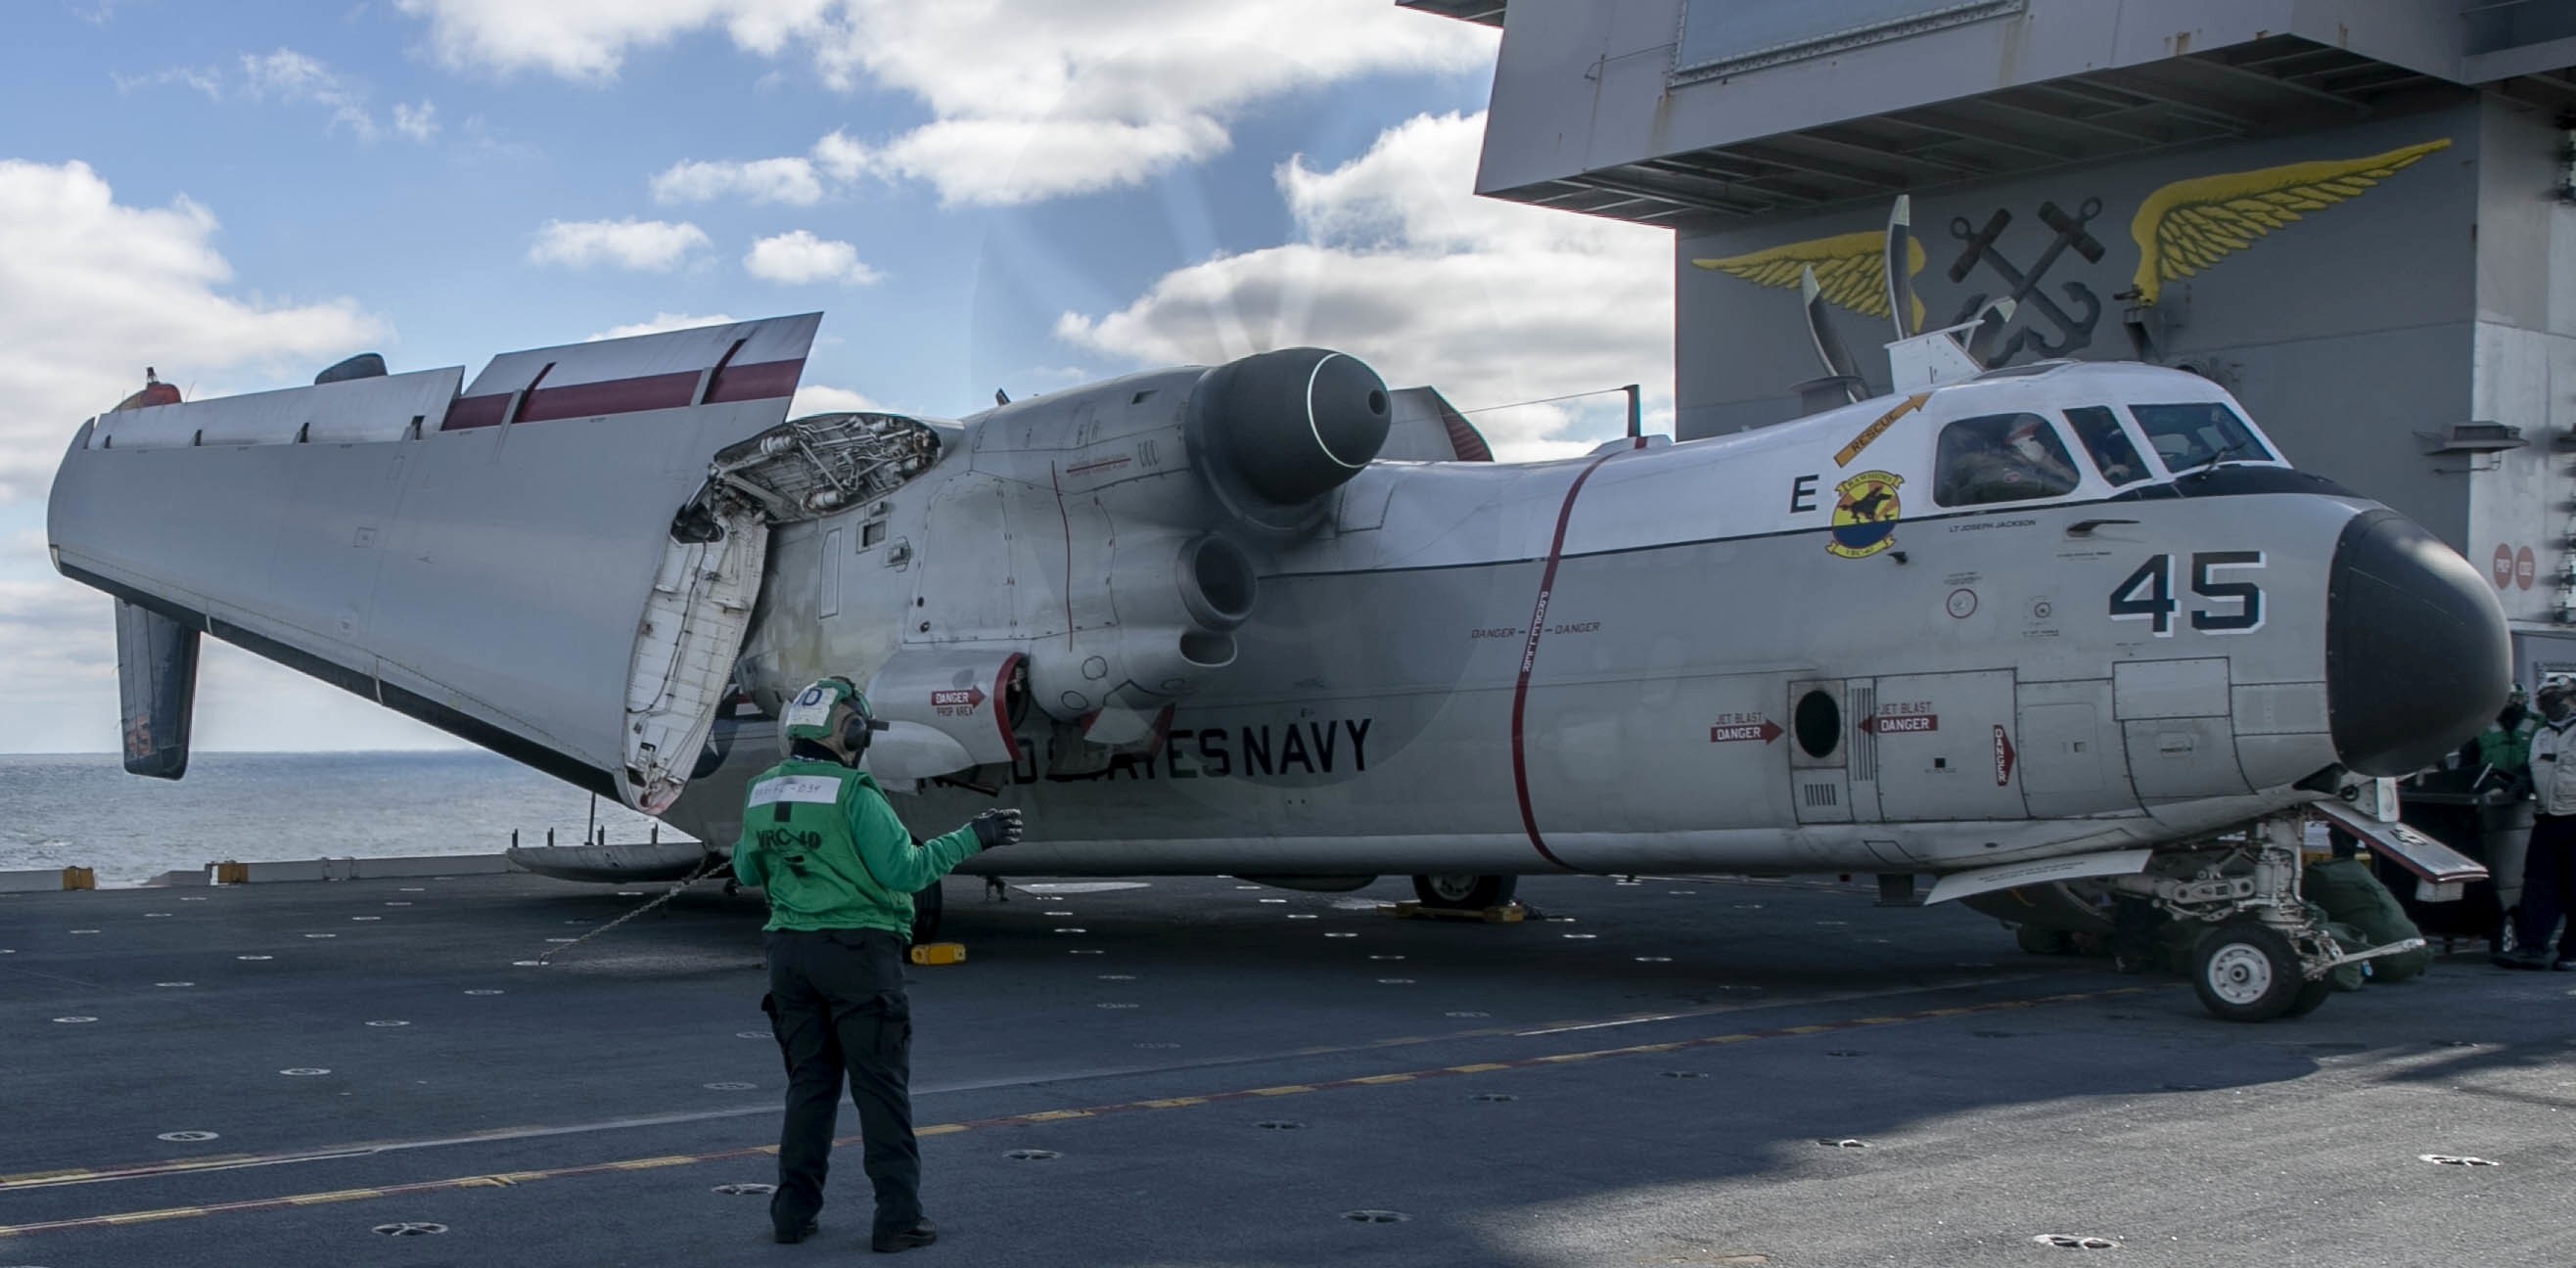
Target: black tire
column 2244, row 970
column 1460, row 891
column 2310, row 996
column 926, row 910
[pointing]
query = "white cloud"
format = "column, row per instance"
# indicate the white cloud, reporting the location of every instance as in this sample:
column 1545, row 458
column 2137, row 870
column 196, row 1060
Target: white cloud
column 656, row 246
column 659, row 323
column 205, row 81
column 776, row 180
column 420, row 122
column 814, row 398
column 91, row 291
column 799, row 258
column 1031, row 99
column 588, row 39
column 286, row 75
column 1399, row 264
column 1005, row 161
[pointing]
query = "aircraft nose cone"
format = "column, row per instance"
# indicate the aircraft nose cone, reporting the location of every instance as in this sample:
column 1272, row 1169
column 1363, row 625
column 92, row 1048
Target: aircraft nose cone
column 2417, row 658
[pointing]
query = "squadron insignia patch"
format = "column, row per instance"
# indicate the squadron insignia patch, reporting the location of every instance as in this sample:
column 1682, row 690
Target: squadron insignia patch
column 1865, row 512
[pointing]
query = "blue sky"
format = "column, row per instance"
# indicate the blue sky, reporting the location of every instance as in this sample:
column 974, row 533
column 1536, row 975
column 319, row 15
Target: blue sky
column 978, row 194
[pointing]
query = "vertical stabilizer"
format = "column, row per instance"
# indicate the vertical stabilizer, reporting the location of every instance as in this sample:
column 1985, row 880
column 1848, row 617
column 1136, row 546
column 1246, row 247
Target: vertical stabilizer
column 156, row 687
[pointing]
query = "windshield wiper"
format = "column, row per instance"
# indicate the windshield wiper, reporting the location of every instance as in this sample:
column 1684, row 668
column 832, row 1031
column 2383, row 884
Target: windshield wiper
column 2221, row 456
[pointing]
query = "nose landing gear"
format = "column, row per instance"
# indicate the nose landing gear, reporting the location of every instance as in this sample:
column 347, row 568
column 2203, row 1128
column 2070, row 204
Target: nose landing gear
column 2265, row 953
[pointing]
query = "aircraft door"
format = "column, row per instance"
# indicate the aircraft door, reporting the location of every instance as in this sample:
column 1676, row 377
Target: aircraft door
column 1945, row 746
column 2070, row 749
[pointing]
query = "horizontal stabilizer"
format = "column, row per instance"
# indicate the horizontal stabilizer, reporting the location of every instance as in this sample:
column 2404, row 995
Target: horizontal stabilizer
column 156, row 689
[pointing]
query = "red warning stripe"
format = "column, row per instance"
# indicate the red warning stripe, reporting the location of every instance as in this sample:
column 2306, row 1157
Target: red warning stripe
column 1529, row 657
column 759, row 381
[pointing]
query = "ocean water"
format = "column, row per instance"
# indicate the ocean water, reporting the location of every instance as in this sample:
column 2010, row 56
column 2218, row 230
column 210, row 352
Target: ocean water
column 83, row 809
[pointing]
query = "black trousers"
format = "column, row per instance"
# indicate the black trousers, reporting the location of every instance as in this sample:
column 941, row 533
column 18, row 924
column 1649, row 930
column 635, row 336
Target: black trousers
column 2548, row 885
column 837, row 1005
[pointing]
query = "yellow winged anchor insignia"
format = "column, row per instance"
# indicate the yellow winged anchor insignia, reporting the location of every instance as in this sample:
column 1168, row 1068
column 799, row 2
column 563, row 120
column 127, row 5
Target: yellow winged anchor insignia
column 1851, row 269
column 2191, row 224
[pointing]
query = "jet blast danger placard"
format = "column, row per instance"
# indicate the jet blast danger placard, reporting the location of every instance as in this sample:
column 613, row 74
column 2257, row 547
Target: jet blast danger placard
column 1904, row 719
column 1732, row 727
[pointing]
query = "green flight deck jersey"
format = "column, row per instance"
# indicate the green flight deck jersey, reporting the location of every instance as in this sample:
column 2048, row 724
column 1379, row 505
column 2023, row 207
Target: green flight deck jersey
column 824, row 843
column 2509, row 752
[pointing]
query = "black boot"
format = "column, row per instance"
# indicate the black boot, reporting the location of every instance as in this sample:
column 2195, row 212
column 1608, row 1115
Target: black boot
column 922, row 1233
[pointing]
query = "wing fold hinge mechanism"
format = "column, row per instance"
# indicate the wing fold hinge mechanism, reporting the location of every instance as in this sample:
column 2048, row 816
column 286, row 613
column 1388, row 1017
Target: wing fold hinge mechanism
column 700, row 607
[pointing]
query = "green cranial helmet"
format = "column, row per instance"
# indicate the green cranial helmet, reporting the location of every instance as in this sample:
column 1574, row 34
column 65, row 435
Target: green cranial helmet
column 820, row 711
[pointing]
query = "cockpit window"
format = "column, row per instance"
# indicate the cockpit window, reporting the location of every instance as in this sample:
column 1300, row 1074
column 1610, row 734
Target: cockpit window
column 2000, row 458
column 2189, row 437
column 2099, row 429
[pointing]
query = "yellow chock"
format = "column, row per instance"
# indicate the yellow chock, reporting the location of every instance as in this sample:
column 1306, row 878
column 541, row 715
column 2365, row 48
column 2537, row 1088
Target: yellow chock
column 939, row 953
column 79, row 878
column 1507, row 914
column 232, row 873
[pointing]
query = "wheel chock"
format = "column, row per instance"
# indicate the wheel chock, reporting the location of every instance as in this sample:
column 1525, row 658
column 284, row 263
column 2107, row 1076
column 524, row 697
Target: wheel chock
column 1507, row 914
column 938, row 953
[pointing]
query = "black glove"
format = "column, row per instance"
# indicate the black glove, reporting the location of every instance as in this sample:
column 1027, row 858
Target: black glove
column 995, row 828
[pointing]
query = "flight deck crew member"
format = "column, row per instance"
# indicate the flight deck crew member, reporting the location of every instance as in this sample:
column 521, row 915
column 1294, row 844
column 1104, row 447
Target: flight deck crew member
column 840, row 871
column 2549, row 869
column 2501, row 754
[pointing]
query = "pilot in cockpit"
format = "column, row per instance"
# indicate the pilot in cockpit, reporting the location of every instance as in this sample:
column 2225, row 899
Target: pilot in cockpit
column 2002, row 458
column 2043, row 459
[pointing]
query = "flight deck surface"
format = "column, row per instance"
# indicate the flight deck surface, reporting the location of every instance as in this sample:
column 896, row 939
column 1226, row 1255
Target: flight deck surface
column 1214, row 1074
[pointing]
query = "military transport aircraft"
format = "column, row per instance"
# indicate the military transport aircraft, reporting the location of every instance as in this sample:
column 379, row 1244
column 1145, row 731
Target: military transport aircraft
column 1273, row 620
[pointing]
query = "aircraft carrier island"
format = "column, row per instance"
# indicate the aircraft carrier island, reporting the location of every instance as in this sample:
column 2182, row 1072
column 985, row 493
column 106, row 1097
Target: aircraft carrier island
column 2122, row 447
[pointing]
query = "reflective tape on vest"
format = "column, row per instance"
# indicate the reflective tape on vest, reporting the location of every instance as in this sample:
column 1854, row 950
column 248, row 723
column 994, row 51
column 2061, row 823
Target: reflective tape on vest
column 815, row 788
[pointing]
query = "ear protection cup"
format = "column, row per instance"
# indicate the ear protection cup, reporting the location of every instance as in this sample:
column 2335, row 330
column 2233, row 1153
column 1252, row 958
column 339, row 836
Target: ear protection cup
column 857, row 724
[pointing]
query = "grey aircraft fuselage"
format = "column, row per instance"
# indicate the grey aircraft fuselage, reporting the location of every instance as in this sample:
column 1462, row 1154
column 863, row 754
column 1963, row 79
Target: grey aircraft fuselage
column 1193, row 622
column 1773, row 652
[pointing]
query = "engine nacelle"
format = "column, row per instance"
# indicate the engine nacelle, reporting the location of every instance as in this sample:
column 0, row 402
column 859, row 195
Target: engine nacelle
column 1177, row 597
column 1275, row 432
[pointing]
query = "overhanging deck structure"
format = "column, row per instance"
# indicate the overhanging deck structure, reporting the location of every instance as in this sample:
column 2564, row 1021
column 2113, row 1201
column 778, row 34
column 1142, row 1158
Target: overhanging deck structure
column 2357, row 215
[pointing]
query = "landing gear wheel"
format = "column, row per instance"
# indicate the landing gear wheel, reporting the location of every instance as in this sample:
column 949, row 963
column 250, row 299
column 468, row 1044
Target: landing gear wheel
column 926, row 909
column 1460, row 891
column 2246, row 971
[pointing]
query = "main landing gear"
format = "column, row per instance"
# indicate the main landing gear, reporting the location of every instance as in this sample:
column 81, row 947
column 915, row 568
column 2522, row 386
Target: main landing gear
column 2265, row 953
column 1461, row 891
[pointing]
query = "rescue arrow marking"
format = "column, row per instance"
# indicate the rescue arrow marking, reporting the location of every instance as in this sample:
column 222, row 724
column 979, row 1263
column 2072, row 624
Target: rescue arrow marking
column 1843, row 458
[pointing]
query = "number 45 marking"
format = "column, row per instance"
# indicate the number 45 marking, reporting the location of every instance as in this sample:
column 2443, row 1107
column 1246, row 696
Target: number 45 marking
column 2148, row 594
